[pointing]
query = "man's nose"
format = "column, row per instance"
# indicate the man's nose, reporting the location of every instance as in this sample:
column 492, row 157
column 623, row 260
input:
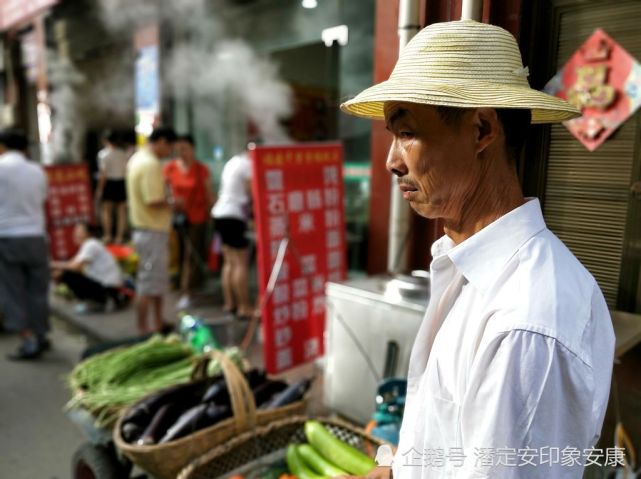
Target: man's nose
column 395, row 163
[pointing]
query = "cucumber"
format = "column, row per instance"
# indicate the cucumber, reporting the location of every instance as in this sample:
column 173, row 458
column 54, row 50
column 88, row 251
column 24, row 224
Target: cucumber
column 318, row 463
column 336, row 451
column 297, row 466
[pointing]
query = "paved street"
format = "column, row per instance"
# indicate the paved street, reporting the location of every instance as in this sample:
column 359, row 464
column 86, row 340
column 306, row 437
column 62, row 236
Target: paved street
column 37, row 440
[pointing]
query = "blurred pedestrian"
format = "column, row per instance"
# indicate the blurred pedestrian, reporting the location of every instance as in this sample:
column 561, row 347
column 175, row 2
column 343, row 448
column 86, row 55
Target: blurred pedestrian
column 150, row 213
column 231, row 215
column 128, row 140
column 24, row 268
column 93, row 275
column 112, row 162
column 189, row 182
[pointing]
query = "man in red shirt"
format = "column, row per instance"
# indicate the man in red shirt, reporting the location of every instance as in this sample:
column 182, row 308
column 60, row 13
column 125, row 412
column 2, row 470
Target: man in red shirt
column 190, row 186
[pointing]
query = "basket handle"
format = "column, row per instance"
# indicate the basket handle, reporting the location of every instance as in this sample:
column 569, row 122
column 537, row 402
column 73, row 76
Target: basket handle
column 240, row 394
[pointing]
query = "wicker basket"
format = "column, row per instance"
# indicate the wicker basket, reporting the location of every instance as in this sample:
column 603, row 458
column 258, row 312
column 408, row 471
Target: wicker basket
column 164, row 461
column 254, row 450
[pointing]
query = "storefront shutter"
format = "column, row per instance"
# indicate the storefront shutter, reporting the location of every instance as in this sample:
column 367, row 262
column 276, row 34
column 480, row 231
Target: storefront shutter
column 587, row 193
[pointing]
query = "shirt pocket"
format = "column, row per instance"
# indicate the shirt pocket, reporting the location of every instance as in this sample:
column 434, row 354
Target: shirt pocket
column 443, row 424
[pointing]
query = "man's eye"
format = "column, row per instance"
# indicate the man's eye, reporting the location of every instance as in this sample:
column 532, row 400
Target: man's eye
column 406, row 135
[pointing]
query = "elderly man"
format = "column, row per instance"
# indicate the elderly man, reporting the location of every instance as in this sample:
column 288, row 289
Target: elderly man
column 514, row 356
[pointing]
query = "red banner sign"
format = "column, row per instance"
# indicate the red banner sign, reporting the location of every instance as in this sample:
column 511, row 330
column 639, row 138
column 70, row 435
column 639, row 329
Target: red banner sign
column 298, row 196
column 69, row 203
column 14, row 12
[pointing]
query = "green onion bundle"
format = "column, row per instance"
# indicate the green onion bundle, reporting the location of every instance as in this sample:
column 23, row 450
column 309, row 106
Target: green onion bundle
column 106, row 383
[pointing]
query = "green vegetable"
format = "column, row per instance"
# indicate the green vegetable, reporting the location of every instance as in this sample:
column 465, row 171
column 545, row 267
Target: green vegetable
column 336, row 451
column 297, row 466
column 318, row 463
column 105, row 383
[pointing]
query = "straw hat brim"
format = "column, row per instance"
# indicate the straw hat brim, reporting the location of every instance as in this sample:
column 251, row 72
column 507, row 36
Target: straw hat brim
column 460, row 94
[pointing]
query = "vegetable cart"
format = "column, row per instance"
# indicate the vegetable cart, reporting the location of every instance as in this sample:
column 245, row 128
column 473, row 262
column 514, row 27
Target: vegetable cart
column 110, row 379
column 97, row 458
column 169, row 406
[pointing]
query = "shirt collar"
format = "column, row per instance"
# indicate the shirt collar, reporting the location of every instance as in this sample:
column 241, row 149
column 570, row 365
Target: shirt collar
column 13, row 154
column 480, row 257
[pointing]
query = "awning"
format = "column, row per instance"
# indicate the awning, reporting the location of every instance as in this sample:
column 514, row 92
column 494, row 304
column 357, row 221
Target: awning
column 15, row 12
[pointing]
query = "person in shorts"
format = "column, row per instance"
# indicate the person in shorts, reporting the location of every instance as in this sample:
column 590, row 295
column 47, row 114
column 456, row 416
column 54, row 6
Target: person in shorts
column 111, row 190
column 231, row 213
column 150, row 214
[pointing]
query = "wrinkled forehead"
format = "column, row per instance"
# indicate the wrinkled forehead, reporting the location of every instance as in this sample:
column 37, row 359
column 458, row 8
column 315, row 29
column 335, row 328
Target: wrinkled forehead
column 396, row 111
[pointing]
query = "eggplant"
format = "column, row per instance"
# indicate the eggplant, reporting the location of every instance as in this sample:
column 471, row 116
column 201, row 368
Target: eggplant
column 196, row 418
column 293, row 393
column 216, row 414
column 131, row 432
column 218, row 393
column 267, row 390
column 255, row 377
column 164, row 417
column 143, row 412
column 185, row 424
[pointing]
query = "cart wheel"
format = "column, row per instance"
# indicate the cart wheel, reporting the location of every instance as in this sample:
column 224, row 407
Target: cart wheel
column 96, row 462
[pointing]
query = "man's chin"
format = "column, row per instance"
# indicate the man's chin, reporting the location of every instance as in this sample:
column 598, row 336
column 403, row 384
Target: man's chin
column 425, row 210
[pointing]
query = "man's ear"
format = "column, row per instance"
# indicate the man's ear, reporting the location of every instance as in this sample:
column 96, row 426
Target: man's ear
column 487, row 126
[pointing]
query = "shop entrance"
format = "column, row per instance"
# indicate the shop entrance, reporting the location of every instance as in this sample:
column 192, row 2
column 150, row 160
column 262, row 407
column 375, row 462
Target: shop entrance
column 312, row 73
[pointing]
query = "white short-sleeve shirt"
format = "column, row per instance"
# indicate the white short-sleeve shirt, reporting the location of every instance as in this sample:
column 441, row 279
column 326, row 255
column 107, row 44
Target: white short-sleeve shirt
column 113, row 163
column 23, row 192
column 100, row 265
column 513, row 359
column 234, row 195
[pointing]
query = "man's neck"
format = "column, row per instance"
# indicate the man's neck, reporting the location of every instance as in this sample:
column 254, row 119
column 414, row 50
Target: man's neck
column 494, row 197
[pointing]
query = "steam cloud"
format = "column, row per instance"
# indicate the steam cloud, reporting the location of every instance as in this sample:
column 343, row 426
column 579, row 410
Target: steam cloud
column 214, row 73
column 232, row 73
column 120, row 15
column 67, row 129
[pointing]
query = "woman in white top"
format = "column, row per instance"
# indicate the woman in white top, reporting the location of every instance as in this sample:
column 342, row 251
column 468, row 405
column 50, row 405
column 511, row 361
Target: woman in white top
column 92, row 275
column 112, row 162
column 231, row 213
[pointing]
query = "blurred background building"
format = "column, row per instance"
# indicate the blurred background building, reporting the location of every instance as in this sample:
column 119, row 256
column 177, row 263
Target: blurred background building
column 232, row 70
column 227, row 71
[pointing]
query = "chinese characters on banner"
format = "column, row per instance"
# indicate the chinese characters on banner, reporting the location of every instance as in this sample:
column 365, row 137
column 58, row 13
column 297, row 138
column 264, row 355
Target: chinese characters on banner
column 604, row 81
column 298, row 193
column 69, row 202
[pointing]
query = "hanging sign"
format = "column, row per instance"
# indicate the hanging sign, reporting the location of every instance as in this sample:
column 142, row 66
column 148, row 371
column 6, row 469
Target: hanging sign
column 604, row 81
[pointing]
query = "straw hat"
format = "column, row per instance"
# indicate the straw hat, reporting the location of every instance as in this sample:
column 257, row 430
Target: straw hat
column 464, row 64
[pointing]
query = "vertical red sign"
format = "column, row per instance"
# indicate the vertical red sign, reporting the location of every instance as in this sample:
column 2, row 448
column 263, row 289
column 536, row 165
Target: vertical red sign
column 69, row 203
column 298, row 195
